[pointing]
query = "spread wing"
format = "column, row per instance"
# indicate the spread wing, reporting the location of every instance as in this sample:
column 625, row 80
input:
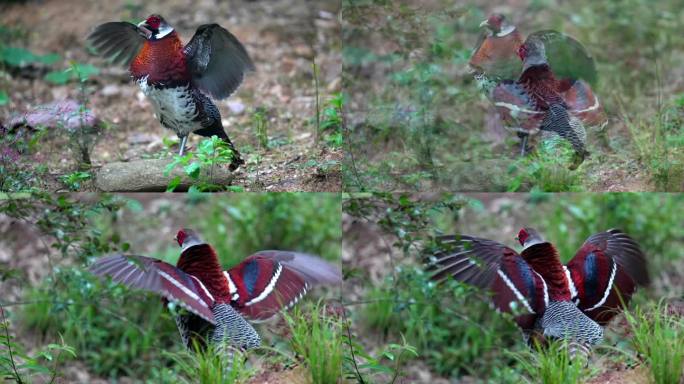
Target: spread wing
column 159, row 277
column 516, row 287
column 583, row 103
column 269, row 281
column 605, row 272
column 118, row 41
column 217, row 60
column 567, row 57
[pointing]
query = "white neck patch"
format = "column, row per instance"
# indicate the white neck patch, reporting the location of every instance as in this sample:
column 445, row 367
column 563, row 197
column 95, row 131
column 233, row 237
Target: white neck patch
column 532, row 242
column 163, row 31
column 506, row 31
column 191, row 243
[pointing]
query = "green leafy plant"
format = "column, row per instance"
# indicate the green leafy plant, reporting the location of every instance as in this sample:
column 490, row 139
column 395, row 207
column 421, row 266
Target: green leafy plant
column 260, row 124
column 198, row 166
column 74, row 180
column 332, row 122
column 20, row 57
column 76, row 71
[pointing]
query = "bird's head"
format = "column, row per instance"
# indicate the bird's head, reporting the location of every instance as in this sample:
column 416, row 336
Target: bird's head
column 532, row 53
column 497, row 24
column 155, row 27
column 187, row 238
column 528, row 237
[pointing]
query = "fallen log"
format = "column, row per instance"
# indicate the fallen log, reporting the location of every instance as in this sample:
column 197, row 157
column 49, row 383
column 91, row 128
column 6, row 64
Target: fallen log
column 148, row 176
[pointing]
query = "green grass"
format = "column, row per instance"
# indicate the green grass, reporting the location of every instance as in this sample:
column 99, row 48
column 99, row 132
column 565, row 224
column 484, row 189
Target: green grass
column 659, row 339
column 553, row 364
column 317, row 337
column 211, row 365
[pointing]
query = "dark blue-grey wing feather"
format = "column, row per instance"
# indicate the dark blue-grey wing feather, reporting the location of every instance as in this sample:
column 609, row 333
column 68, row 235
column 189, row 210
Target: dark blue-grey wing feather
column 119, row 41
column 217, row 61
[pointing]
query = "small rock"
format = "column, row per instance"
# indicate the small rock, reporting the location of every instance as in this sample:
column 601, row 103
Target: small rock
column 326, row 15
column 303, row 50
column 335, row 85
column 155, row 145
column 111, row 90
column 236, row 107
column 142, row 138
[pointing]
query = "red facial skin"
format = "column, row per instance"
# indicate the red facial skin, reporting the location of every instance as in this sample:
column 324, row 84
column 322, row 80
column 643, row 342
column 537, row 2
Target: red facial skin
column 153, row 21
column 522, row 236
column 180, row 237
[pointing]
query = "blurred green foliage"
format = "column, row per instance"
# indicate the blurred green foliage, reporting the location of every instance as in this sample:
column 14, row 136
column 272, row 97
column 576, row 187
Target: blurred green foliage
column 417, row 121
column 240, row 225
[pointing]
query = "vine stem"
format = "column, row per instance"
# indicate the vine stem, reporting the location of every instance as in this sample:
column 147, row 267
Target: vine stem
column 351, row 347
column 9, row 345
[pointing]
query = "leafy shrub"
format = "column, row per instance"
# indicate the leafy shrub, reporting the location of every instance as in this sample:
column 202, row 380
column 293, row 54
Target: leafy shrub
column 199, row 165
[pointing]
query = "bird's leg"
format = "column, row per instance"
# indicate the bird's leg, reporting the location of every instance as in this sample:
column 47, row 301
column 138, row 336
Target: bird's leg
column 182, row 145
column 523, row 144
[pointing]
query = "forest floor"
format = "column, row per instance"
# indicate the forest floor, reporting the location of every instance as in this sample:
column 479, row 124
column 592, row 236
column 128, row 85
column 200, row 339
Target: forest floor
column 283, row 39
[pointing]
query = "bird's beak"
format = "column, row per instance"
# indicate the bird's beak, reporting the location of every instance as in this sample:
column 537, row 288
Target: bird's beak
column 484, row 23
column 144, row 28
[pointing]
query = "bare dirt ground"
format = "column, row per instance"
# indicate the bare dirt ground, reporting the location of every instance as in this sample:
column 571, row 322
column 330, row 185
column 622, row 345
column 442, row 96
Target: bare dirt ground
column 282, row 37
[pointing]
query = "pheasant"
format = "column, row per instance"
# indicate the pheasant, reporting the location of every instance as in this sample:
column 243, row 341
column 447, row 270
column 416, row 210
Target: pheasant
column 547, row 298
column 540, row 94
column 218, row 302
column 178, row 80
column 495, row 57
column 496, row 65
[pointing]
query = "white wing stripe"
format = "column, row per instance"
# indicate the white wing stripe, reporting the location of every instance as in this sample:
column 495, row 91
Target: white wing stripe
column 608, row 288
column 182, row 287
column 517, row 293
column 546, row 289
column 269, row 288
column 571, row 284
column 203, row 287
